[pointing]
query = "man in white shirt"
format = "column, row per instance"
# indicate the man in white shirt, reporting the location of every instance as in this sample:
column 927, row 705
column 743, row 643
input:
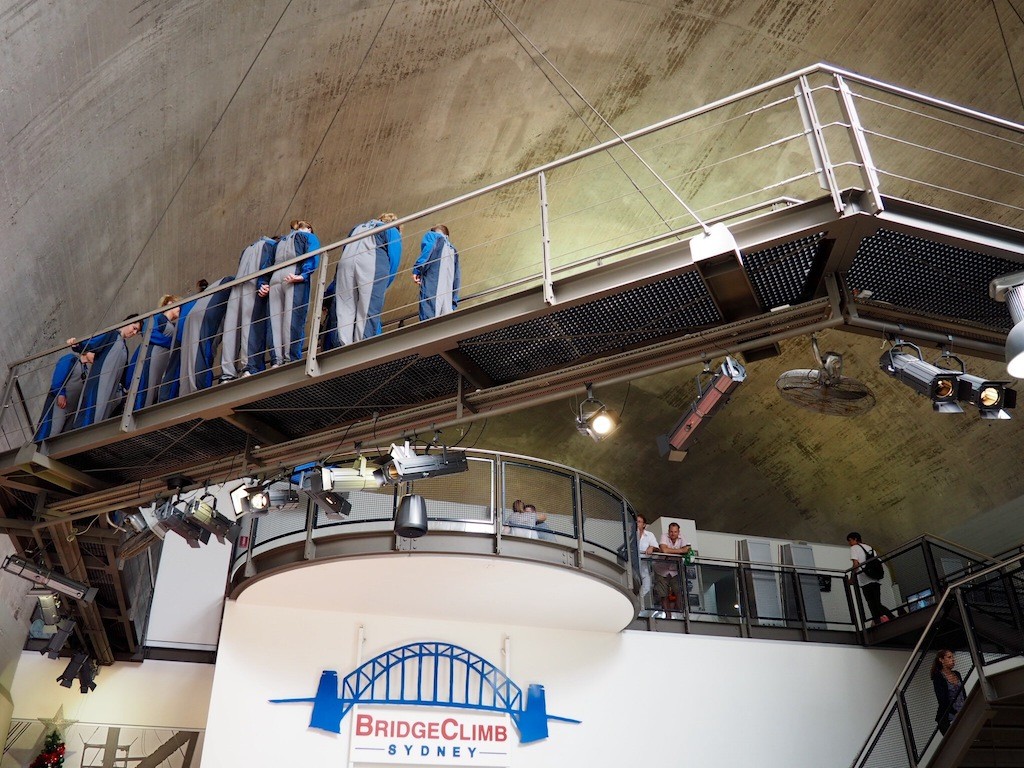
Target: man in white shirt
column 646, row 544
column 869, row 587
column 667, row 583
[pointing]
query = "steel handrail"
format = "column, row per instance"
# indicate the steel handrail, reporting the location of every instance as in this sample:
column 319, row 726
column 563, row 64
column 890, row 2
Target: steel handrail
column 913, row 658
column 820, row 68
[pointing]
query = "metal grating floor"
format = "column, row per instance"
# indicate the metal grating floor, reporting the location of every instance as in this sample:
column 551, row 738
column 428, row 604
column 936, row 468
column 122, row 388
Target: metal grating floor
column 780, row 275
column 613, row 323
column 928, row 276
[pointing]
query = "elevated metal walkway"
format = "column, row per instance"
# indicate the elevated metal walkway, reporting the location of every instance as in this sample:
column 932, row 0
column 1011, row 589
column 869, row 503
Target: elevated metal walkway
column 836, row 188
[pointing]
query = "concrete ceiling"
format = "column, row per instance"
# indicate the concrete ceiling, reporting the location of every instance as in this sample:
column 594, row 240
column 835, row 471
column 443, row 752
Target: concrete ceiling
column 145, row 143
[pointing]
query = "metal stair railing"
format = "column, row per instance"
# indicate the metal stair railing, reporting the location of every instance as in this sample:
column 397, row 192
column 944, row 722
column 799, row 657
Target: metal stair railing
column 980, row 618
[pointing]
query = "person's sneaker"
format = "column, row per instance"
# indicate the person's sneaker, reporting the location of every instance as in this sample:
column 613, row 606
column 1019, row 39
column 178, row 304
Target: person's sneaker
column 246, row 373
column 226, row 377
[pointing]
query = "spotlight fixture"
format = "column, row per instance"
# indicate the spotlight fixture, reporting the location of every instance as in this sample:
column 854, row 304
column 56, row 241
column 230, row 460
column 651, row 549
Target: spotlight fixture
column 73, row 670
column 59, row 639
column 594, row 419
column 407, row 465
column 263, row 499
column 202, row 512
column 49, row 608
column 1010, row 289
column 87, row 676
column 174, row 518
column 56, row 581
column 991, row 398
column 411, row 517
column 318, row 486
column 710, row 397
column 938, row 384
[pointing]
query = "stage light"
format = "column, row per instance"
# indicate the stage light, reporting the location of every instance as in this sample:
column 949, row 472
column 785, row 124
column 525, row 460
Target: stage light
column 710, row 397
column 73, row 669
column 594, row 419
column 49, row 608
column 60, row 638
column 411, row 518
column 318, row 485
column 991, row 398
column 938, row 384
column 56, row 581
column 406, row 464
column 263, row 499
column 173, row 518
column 1010, row 289
column 87, row 676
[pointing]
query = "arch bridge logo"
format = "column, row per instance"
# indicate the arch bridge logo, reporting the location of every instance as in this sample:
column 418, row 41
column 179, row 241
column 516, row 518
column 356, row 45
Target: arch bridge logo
column 435, row 675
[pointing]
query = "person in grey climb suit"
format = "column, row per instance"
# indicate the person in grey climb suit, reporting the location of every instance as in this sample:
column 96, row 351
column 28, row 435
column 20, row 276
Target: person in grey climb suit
column 66, row 386
column 437, row 273
column 244, row 342
column 289, row 292
column 154, row 365
column 104, row 385
column 366, row 269
column 200, row 337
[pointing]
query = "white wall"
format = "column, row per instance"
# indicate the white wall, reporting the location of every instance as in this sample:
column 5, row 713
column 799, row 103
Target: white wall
column 189, row 592
column 730, row 701
column 157, row 693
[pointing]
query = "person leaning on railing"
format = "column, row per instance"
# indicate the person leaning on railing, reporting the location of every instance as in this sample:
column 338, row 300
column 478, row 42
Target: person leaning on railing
column 646, row 545
column 667, row 586
column 949, row 688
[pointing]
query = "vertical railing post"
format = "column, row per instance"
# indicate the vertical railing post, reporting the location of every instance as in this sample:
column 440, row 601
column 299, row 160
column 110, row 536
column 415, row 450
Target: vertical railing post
column 744, row 600
column 816, row 141
column 545, row 240
column 309, row 548
column 801, row 604
column 499, row 502
column 577, row 503
column 972, row 646
column 315, row 309
column 127, row 416
column 250, row 568
column 908, row 735
column 5, row 405
column 860, row 144
column 632, row 550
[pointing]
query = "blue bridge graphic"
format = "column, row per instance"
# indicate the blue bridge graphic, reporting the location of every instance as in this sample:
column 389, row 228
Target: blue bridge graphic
column 430, row 675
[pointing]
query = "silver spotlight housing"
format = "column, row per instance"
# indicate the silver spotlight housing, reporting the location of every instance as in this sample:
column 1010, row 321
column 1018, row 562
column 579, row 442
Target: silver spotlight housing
column 594, row 419
column 1010, row 289
column 938, row 384
column 49, row 579
column 991, row 398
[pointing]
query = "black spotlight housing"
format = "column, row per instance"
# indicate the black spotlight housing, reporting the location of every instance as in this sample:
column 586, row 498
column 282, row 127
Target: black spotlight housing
column 73, row 669
column 991, row 398
column 938, row 384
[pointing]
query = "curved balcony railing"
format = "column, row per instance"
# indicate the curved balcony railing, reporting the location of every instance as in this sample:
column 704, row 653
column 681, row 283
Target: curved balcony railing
column 585, row 526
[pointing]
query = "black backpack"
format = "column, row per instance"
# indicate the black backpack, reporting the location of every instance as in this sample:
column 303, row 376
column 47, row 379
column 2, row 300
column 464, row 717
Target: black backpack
column 872, row 565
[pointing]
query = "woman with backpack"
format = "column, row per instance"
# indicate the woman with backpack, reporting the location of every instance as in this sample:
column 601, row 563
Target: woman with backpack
column 869, row 577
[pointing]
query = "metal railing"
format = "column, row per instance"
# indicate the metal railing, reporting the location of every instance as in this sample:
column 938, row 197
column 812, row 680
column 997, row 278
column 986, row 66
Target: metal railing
column 817, row 129
column 581, row 521
column 979, row 619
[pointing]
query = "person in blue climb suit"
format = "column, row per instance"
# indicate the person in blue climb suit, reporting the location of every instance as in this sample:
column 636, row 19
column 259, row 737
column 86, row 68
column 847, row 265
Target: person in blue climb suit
column 437, row 273
column 157, row 353
column 244, row 343
column 199, row 340
column 366, row 269
column 66, row 386
column 104, row 383
column 169, row 384
column 289, row 292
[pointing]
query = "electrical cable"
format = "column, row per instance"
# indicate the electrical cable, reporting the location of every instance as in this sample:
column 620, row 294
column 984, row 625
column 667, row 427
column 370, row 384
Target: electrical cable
column 195, row 160
column 344, row 98
column 503, row 17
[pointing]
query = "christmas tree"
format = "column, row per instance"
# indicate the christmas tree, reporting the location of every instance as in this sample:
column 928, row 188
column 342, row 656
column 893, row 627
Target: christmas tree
column 52, row 755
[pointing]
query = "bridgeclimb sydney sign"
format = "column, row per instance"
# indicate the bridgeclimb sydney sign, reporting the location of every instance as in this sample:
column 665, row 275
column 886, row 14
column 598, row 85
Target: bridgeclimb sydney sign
column 430, row 704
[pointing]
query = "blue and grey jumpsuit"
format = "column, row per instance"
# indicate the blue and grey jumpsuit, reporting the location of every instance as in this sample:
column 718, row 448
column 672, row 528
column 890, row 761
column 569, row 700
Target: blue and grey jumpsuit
column 155, row 364
column 440, row 276
column 68, row 380
column 366, row 269
column 200, row 338
column 289, row 302
column 172, row 375
column 104, row 384
column 244, row 343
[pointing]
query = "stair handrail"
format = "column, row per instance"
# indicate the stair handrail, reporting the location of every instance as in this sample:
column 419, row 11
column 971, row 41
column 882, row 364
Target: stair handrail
column 951, row 589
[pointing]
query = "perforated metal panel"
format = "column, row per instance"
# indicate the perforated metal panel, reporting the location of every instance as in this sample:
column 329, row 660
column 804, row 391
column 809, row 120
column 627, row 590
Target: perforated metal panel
column 932, row 277
column 626, row 320
column 321, row 404
column 138, row 456
column 780, row 274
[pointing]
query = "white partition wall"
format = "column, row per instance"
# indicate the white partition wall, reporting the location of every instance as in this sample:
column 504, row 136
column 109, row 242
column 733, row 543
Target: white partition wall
column 729, row 701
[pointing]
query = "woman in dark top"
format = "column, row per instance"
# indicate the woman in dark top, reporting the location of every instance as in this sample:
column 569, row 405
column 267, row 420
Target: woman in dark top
column 949, row 688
